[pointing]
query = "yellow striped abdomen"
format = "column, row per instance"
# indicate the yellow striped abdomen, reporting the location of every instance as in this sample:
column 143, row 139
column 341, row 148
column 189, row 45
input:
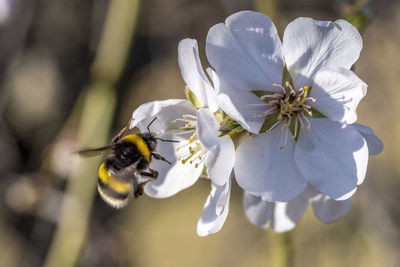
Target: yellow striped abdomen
column 113, row 190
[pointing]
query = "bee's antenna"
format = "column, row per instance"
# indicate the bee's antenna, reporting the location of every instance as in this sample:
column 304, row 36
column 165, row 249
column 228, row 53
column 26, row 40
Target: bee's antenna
column 148, row 126
column 165, row 140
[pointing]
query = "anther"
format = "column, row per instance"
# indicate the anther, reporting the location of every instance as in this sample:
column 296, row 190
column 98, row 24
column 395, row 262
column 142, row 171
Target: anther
column 248, row 106
column 173, row 122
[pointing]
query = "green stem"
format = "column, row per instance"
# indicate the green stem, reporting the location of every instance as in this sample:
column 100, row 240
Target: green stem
column 282, row 250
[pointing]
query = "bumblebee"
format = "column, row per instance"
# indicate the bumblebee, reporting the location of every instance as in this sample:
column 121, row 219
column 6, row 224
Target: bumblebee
column 128, row 159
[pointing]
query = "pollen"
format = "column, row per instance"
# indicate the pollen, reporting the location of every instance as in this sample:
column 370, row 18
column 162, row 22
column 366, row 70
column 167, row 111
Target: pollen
column 292, row 107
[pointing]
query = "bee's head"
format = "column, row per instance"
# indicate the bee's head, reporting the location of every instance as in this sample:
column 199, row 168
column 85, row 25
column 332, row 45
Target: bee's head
column 150, row 140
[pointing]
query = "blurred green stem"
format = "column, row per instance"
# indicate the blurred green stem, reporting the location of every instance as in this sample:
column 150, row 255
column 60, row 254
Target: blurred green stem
column 268, row 7
column 99, row 105
column 282, row 250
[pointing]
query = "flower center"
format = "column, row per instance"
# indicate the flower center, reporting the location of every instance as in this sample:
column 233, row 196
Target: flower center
column 288, row 109
column 190, row 150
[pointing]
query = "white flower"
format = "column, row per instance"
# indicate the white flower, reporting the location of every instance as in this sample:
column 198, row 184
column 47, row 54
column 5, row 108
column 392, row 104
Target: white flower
column 197, row 131
column 303, row 119
column 283, row 216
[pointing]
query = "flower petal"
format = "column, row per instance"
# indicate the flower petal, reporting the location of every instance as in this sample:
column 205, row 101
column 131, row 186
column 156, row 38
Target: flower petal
column 257, row 211
column 337, row 93
column 246, row 51
column 310, row 45
column 283, row 215
column 287, row 214
column 215, row 210
column 333, row 157
column 170, row 108
column 177, row 176
column 375, row 145
column 329, row 210
column 221, row 150
column 265, row 170
column 193, row 74
column 172, row 178
column 233, row 102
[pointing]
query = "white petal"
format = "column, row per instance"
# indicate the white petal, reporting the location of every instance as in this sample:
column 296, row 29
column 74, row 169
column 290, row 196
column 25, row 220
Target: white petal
column 177, row 176
column 337, row 93
column 257, row 211
column 215, row 210
column 329, row 210
column 333, row 157
column 283, row 215
column 233, row 102
column 375, row 145
column 221, row 150
column 246, row 51
column 146, row 112
column 287, row 214
column 193, row 74
column 172, row 178
column 309, row 45
column 265, row 170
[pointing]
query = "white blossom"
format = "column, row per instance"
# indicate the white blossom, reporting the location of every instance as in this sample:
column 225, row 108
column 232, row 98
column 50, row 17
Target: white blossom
column 197, row 130
column 298, row 97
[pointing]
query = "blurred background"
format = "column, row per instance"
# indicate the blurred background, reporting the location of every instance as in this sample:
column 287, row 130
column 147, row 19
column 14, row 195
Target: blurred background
column 72, row 72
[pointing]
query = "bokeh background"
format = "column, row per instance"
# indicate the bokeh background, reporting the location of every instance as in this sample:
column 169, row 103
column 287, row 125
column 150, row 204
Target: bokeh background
column 72, row 72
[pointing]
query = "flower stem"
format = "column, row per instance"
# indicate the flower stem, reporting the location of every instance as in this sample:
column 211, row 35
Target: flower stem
column 282, row 250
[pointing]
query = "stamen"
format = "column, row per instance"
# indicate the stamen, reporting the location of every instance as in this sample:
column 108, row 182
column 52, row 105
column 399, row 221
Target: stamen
column 284, row 140
column 189, row 116
column 280, row 87
column 288, row 104
column 295, row 130
column 275, row 95
column 272, row 127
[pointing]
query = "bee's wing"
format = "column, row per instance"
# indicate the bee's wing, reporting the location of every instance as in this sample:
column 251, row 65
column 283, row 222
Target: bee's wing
column 94, row 151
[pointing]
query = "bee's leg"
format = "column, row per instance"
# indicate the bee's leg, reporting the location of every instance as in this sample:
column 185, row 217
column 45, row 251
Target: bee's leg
column 159, row 157
column 121, row 133
column 139, row 190
column 153, row 174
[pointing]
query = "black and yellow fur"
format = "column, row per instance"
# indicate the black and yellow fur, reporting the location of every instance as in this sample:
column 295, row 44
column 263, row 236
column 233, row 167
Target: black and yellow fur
column 128, row 159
